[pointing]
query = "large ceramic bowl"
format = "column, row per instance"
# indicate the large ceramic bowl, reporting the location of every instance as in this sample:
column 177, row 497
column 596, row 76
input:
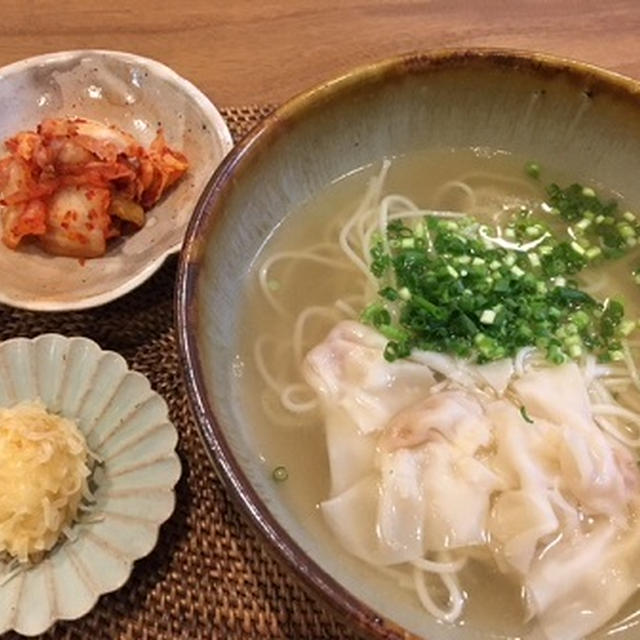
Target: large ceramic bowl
column 561, row 113
column 138, row 95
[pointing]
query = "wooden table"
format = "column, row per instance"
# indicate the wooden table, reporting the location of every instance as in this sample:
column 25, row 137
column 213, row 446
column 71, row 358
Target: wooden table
column 248, row 51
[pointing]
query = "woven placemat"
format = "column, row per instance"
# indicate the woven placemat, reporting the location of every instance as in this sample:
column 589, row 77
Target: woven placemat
column 210, row 576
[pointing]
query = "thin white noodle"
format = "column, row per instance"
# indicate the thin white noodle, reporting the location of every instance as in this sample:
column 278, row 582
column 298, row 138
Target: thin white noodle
column 615, row 431
column 372, row 194
column 600, row 392
column 270, row 381
column 603, row 370
column 455, row 184
column 287, row 401
column 489, row 176
column 281, row 419
column 631, row 365
column 345, row 308
column 617, row 411
column 617, row 383
column 440, row 567
column 456, row 601
column 383, row 213
column 263, row 274
column 298, row 330
column 356, row 260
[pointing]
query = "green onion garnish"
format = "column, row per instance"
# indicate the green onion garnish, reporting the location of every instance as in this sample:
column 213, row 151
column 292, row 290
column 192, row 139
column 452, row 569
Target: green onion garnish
column 465, row 294
column 280, row 474
column 525, row 415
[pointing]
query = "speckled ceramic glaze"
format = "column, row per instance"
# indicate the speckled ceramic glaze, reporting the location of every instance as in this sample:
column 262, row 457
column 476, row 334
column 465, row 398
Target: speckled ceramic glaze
column 559, row 112
column 139, row 96
column 126, row 425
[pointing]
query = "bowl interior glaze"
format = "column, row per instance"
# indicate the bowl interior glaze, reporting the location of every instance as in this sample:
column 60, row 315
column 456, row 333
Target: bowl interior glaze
column 556, row 111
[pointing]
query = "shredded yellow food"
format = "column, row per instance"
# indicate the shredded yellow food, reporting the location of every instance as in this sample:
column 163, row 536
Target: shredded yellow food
column 43, row 478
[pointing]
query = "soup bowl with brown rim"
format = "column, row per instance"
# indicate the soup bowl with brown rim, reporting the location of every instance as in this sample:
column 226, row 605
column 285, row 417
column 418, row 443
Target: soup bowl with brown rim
column 559, row 112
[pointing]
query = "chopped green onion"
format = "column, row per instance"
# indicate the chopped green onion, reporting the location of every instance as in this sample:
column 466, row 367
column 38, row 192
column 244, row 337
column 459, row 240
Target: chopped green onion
column 577, row 248
column 593, row 252
column 626, row 231
column 532, row 169
column 280, row 474
column 588, row 192
column 575, row 350
column 525, row 415
column 464, row 295
column 627, row 326
column 488, row 316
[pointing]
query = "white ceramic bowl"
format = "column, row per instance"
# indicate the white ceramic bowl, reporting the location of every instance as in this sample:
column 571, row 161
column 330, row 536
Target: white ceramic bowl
column 127, row 425
column 138, row 95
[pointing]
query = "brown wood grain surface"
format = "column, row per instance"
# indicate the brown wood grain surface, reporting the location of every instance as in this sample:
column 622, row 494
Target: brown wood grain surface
column 252, row 51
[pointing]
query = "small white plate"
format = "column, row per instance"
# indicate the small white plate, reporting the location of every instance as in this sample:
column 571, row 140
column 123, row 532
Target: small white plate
column 127, row 425
column 138, row 95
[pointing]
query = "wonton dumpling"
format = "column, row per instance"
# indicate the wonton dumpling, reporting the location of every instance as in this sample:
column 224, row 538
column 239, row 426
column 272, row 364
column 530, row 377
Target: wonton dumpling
column 348, row 370
column 526, row 453
column 454, row 415
column 351, row 453
column 401, row 503
column 457, row 491
column 582, row 581
column 519, row 519
column 496, row 374
column 353, row 518
column 557, row 394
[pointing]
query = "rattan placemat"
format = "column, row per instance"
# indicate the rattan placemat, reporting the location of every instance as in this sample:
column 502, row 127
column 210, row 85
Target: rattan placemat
column 209, row 576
